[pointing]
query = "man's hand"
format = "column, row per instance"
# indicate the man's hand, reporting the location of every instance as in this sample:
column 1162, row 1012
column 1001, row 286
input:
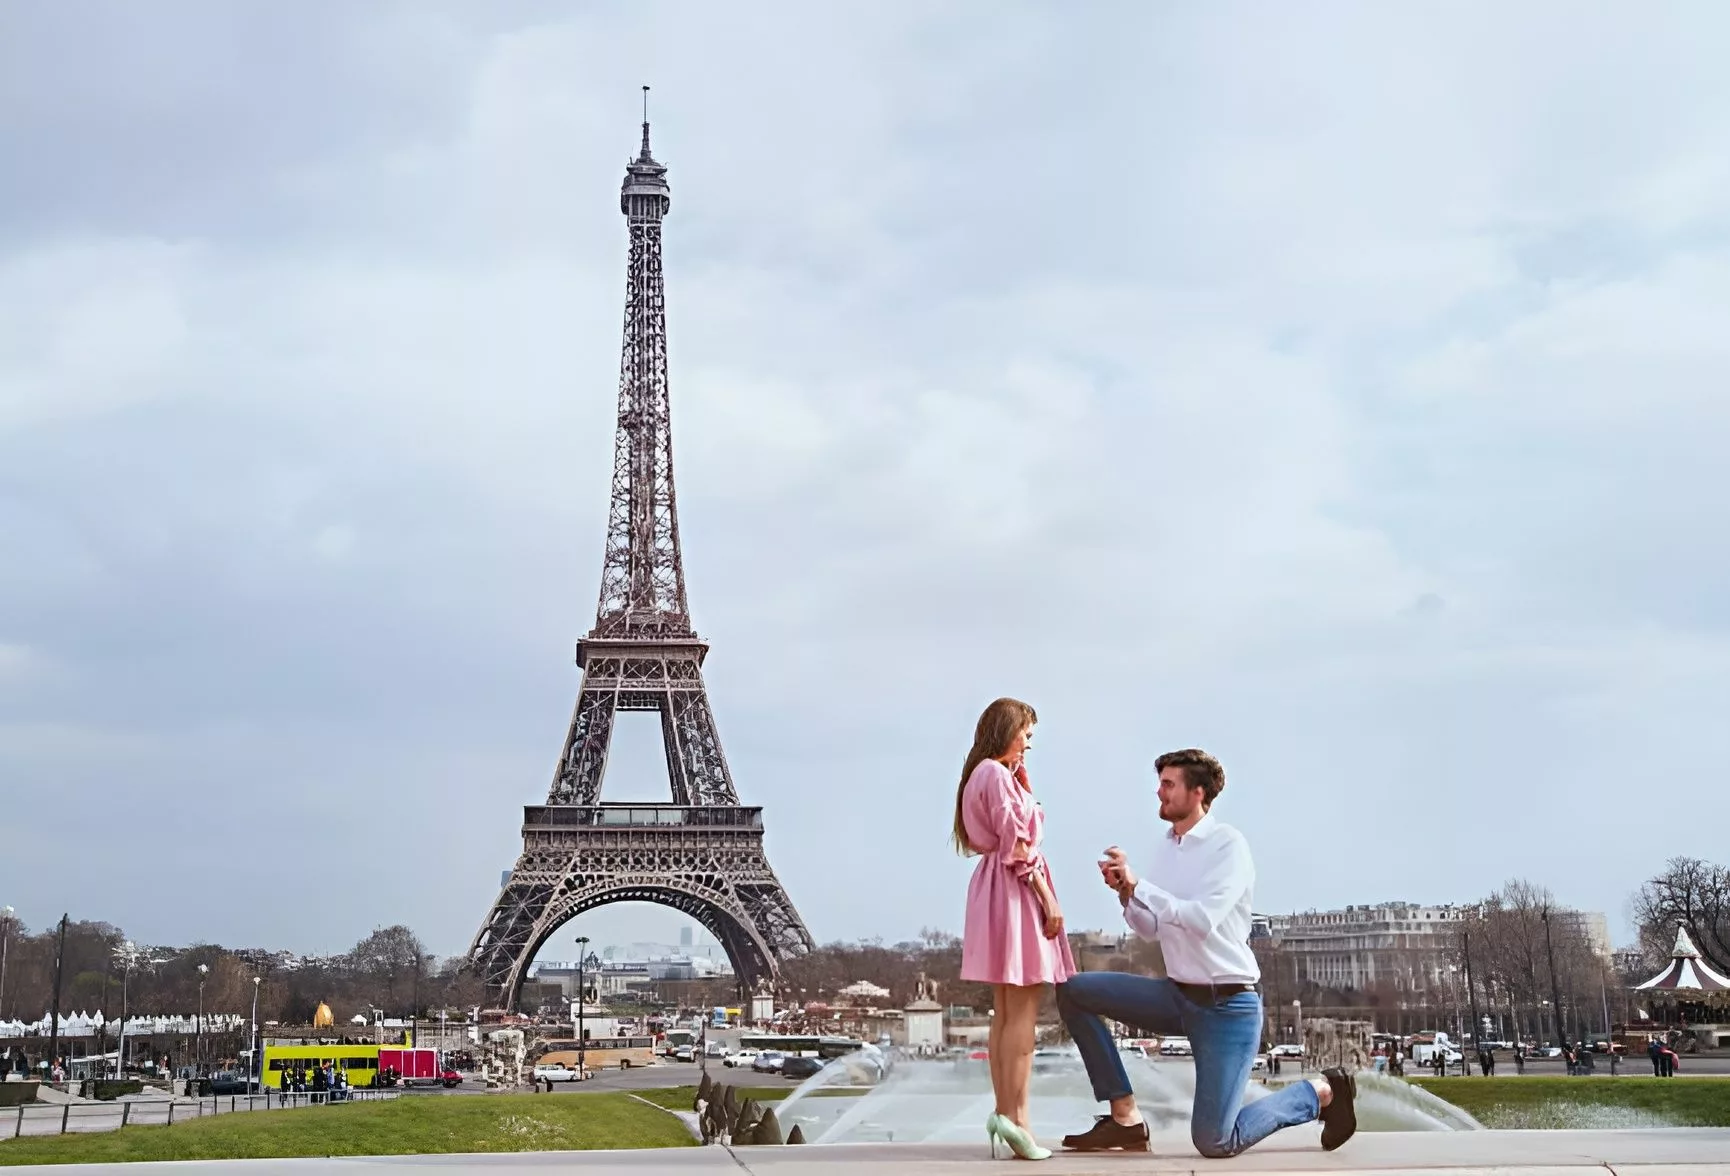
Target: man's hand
column 1118, row 873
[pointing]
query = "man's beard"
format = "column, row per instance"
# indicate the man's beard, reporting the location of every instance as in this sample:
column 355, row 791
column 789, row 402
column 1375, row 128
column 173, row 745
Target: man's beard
column 1172, row 813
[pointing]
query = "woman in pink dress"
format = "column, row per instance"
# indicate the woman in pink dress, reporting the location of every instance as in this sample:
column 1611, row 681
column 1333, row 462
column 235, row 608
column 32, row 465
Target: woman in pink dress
column 1014, row 937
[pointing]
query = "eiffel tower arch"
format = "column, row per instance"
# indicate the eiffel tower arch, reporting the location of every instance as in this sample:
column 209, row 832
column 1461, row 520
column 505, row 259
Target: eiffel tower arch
column 702, row 854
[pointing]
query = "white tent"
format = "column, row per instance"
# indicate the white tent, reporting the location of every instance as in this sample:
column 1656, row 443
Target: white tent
column 1686, row 970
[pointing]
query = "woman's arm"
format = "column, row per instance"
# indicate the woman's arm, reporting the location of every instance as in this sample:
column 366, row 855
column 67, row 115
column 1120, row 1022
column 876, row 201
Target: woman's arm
column 1015, row 848
column 1047, row 903
column 1009, row 824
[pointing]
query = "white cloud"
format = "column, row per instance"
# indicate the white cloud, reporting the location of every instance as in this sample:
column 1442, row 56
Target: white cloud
column 1153, row 369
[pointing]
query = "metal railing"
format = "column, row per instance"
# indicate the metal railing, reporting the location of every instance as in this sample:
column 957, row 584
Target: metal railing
column 651, row 816
column 33, row 1119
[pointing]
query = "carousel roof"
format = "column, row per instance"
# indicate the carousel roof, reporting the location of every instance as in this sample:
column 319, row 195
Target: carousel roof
column 1687, row 970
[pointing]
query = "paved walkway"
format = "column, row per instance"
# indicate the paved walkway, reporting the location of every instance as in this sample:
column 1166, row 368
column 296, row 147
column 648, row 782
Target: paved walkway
column 1670, row 1152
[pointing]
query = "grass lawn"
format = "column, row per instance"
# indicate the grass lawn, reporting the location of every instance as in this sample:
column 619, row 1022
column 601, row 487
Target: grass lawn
column 1587, row 1102
column 405, row 1126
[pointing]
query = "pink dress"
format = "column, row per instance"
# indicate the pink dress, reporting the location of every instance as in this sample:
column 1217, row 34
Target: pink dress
column 1004, row 939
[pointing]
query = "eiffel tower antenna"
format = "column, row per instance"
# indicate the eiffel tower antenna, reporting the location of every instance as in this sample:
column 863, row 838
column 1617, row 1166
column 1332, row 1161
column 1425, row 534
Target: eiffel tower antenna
column 703, row 853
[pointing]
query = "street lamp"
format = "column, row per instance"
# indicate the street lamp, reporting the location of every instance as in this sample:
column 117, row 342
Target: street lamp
column 1454, row 995
column 253, row 1040
column 6, row 913
column 582, row 1052
column 1298, row 1032
column 127, row 953
column 203, row 971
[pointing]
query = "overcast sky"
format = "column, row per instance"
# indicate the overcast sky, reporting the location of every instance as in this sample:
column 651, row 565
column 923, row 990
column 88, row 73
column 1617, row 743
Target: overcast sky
column 1339, row 388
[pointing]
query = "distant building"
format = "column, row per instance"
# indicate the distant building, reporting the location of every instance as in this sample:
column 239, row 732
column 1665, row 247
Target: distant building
column 863, row 992
column 1405, row 946
column 1630, row 963
column 1400, row 945
column 1593, row 926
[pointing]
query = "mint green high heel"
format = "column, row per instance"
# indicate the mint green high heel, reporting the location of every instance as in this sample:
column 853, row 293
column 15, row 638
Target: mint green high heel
column 1020, row 1142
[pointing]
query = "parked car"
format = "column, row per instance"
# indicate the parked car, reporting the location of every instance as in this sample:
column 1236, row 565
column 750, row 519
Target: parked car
column 557, row 1072
column 798, row 1068
column 768, row 1062
column 1177, row 1047
column 1286, row 1051
column 685, row 1053
column 227, row 1082
column 743, row 1057
column 715, row 1049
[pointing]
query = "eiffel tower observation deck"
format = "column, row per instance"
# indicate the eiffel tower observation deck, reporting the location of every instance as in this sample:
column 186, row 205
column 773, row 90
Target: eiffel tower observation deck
column 701, row 854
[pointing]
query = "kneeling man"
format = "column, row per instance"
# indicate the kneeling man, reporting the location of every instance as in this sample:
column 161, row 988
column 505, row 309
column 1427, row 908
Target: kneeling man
column 1194, row 897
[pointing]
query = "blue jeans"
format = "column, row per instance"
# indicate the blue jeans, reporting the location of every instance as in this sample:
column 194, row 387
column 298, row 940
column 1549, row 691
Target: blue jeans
column 1225, row 1038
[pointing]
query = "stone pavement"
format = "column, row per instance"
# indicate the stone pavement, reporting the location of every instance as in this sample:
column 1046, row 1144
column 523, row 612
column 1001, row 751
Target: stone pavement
column 1667, row 1152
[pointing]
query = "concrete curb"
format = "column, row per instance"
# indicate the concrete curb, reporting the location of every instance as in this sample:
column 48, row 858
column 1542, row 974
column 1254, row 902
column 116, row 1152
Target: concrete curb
column 688, row 1118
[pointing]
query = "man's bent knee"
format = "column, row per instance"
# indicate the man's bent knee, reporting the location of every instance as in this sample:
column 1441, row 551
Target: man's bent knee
column 1213, row 1147
column 1077, row 991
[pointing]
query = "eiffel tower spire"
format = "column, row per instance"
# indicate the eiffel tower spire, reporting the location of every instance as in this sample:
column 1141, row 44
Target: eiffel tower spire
column 703, row 853
column 643, row 574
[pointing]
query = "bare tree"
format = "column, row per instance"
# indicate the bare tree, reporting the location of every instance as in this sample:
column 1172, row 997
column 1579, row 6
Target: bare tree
column 1532, row 961
column 1692, row 894
column 389, row 961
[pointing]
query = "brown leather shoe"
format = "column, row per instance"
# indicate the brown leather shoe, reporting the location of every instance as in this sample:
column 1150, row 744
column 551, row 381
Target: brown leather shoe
column 1107, row 1134
column 1340, row 1117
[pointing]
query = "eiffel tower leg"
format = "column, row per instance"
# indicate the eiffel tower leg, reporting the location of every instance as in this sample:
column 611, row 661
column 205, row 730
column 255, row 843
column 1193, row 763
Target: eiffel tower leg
column 584, row 762
column 694, row 746
column 775, row 918
column 502, row 949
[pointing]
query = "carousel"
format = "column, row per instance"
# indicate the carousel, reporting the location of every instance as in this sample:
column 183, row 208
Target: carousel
column 1689, row 996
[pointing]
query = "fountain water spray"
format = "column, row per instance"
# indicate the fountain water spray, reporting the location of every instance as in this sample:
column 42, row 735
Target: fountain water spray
column 946, row 1101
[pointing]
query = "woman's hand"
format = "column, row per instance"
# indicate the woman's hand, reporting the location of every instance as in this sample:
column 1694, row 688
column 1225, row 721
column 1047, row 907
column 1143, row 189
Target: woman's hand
column 1020, row 774
column 1053, row 923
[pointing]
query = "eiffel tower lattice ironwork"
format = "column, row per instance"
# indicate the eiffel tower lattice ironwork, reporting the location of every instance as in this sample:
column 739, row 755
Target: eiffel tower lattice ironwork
column 703, row 853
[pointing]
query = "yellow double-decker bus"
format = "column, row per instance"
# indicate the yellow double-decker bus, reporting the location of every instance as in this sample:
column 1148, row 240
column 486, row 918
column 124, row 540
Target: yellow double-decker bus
column 362, row 1064
column 600, row 1053
column 281, row 1062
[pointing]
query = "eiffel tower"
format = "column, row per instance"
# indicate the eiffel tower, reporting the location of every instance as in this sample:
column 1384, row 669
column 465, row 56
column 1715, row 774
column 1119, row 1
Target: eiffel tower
column 703, row 853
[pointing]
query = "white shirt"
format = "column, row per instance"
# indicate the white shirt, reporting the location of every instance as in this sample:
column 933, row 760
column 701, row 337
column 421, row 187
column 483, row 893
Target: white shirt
column 1194, row 897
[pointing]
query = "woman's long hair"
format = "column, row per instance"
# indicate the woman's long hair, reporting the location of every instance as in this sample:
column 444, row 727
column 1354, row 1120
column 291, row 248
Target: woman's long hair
column 1000, row 723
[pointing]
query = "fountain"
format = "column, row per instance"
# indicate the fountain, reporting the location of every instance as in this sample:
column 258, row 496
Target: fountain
column 946, row 1101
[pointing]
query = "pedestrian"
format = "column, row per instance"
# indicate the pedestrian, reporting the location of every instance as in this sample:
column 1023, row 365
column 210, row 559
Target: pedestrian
column 1655, row 1051
column 1195, row 900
